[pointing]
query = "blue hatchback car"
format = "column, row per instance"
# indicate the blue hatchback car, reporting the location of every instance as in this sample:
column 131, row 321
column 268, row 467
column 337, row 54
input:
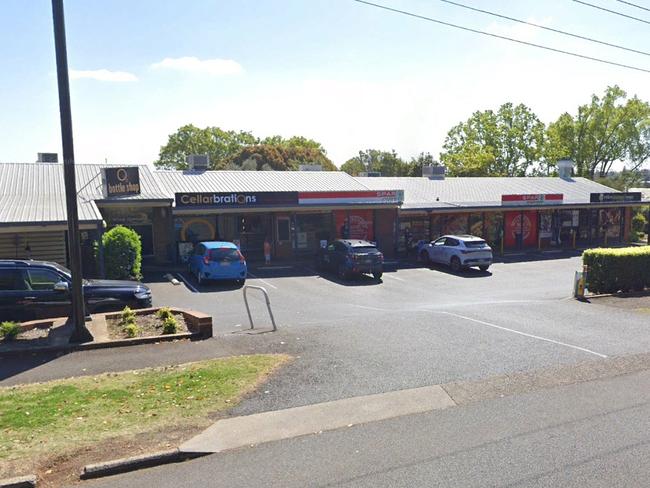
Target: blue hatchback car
column 217, row 260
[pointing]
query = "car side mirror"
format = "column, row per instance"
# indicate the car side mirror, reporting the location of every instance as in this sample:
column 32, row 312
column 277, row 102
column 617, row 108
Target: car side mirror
column 61, row 286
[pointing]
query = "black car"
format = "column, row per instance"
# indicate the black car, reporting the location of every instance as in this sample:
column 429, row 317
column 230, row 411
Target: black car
column 351, row 256
column 40, row 289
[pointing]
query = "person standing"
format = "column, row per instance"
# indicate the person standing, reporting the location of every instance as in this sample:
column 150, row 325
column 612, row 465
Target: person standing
column 267, row 251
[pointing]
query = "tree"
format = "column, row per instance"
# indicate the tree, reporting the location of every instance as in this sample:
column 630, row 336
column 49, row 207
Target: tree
column 609, row 129
column 218, row 144
column 231, row 149
column 388, row 163
column 509, row 142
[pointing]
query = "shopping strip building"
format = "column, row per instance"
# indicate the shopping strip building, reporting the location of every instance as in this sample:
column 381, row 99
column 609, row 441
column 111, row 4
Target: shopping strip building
column 298, row 211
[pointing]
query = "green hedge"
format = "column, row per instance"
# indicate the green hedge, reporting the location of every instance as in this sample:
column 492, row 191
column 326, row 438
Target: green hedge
column 612, row 270
column 122, row 253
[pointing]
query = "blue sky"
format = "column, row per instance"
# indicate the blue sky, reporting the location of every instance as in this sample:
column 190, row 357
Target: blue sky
column 345, row 74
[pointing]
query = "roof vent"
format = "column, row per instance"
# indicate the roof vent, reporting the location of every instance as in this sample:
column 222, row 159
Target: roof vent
column 434, row 171
column 198, row 162
column 47, row 158
column 565, row 168
column 373, row 174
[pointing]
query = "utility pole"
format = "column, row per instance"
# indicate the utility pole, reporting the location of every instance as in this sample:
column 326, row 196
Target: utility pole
column 77, row 316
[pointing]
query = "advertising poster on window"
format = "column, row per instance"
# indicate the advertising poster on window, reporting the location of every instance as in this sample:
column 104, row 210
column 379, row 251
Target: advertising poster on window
column 355, row 224
column 456, row 224
column 610, row 222
column 520, row 229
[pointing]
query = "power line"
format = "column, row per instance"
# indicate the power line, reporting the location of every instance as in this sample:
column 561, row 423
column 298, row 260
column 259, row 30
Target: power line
column 476, row 31
column 539, row 26
column 634, row 5
column 612, row 11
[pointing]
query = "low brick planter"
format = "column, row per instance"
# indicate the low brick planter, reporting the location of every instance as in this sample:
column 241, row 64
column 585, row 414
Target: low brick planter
column 198, row 323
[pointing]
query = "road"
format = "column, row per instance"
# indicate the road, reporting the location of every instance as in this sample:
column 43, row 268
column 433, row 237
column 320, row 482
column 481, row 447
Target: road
column 594, row 434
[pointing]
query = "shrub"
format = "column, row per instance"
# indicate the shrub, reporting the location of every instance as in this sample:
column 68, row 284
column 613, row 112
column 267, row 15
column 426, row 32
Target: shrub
column 612, row 270
column 128, row 316
column 131, row 329
column 122, row 253
column 164, row 313
column 638, row 223
column 9, row 330
column 170, row 326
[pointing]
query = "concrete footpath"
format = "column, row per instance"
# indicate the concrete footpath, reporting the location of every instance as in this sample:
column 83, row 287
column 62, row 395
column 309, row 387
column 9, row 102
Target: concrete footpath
column 593, row 433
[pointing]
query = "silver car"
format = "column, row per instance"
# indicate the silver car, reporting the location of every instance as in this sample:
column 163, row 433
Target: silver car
column 458, row 252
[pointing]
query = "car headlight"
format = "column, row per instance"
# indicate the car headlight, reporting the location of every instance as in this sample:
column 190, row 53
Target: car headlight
column 142, row 293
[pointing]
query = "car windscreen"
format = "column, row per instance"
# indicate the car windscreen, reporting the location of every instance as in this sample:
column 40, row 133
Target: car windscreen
column 364, row 250
column 63, row 269
column 224, row 254
column 475, row 244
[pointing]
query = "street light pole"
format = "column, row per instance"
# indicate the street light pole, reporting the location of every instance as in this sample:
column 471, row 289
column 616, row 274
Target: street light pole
column 77, row 316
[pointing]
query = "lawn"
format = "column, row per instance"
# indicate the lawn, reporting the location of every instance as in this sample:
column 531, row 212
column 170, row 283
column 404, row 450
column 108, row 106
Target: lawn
column 64, row 415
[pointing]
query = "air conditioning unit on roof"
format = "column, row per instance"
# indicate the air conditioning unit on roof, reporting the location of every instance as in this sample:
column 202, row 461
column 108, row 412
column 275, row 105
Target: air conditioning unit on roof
column 198, row 162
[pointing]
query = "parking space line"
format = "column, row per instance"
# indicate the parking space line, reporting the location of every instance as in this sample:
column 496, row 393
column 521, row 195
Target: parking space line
column 393, row 277
column 187, row 282
column 263, row 281
column 526, row 334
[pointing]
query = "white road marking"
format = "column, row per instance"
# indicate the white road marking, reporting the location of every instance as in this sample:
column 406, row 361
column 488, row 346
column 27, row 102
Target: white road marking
column 525, row 334
column 263, row 281
column 187, row 283
column 386, row 275
column 377, row 309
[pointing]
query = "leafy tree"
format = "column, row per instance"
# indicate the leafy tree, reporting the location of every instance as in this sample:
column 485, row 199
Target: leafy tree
column 608, row 129
column 388, row 163
column 189, row 139
column 509, row 142
column 231, row 149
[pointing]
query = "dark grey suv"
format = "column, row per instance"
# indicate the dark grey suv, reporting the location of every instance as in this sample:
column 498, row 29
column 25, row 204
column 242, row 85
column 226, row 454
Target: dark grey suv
column 40, row 289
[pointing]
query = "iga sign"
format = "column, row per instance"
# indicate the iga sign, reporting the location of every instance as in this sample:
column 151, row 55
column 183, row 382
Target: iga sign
column 120, row 182
column 615, row 197
column 350, row 197
column 532, row 199
column 236, row 199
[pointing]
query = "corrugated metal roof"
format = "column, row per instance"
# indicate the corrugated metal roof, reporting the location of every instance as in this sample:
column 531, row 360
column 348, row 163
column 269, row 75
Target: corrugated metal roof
column 481, row 191
column 255, row 181
column 35, row 192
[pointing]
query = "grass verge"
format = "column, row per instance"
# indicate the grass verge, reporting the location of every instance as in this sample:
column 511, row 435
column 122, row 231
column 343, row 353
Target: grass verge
column 63, row 415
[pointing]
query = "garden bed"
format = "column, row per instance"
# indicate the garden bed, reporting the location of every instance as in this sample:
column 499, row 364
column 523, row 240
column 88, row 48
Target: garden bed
column 147, row 324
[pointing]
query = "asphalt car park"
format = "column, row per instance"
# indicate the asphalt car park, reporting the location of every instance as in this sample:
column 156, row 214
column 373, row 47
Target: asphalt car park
column 416, row 326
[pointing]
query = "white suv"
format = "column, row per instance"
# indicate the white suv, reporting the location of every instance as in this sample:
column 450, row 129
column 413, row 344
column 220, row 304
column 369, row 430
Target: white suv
column 462, row 251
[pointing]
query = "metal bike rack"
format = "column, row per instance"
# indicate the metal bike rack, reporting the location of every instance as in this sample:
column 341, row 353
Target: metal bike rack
column 268, row 304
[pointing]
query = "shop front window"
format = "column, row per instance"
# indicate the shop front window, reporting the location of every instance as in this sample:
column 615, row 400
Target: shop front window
column 311, row 229
column 456, row 224
column 476, row 224
column 437, row 225
column 610, row 224
column 354, row 224
column 494, row 228
column 412, row 230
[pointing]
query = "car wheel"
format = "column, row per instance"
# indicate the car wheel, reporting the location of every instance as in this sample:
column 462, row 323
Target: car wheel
column 455, row 264
column 424, row 257
column 484, row 268
column 342, row 272
column 377, row 275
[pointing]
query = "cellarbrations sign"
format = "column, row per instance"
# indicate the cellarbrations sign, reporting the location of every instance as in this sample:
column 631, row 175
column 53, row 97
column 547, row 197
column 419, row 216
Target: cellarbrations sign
column 236, row 199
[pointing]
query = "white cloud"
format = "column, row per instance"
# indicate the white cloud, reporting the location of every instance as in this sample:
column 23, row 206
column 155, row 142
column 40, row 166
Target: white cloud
column 103, row 75
column 191, row 64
